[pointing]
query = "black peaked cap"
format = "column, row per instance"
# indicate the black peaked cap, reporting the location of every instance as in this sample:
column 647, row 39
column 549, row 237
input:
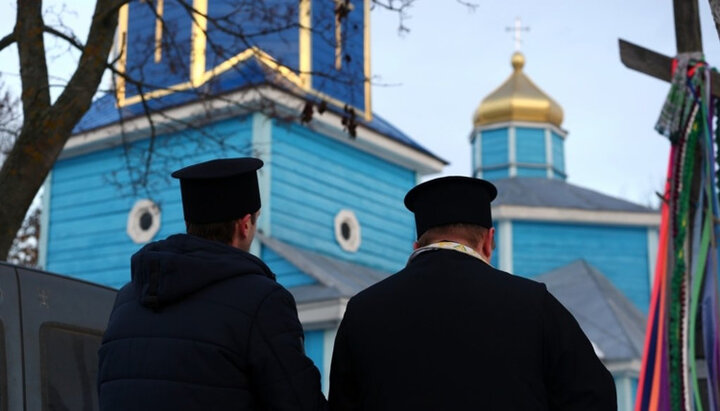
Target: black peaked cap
column 451, row 200
column 219, row 190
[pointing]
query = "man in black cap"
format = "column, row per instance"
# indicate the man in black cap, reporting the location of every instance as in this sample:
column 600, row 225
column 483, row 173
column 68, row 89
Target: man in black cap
column 450, row 332
column 203, row 325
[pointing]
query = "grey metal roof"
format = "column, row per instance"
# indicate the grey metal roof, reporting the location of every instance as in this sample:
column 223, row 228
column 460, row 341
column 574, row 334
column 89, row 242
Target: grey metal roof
column 608, row 318
column 545, row 192
column 336, row 278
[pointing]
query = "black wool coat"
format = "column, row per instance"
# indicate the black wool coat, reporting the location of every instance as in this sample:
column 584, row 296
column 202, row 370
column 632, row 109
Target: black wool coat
column 204, row 326
column 449, row 332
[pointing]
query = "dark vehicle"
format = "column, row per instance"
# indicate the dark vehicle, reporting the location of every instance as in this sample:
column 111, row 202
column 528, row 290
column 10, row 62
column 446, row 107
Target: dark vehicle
column 51, row 327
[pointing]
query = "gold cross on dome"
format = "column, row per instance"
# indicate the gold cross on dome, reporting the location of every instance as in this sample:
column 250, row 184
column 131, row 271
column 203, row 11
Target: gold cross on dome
column 342, row 9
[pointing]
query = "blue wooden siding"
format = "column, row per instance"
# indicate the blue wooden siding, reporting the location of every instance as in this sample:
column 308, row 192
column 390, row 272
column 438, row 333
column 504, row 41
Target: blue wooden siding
column 91, row 198
column 495, row 174
column 287, row 274
column 530, row 145
column 620, row 253
column 558, row 150
column 494, row 149
column 314, row 349
column 314, row 177
column 531, row 172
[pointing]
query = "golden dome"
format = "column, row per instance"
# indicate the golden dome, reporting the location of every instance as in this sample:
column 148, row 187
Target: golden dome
column 518, row 99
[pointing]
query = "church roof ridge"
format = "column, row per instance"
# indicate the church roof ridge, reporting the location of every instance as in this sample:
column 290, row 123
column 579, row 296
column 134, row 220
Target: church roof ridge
column 600, row 308
column 544, row 192
column 345, row 277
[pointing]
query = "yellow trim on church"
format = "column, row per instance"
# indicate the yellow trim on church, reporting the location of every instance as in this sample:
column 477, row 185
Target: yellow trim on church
column 122, row 53
column 199, row 75
column 305, row 43
column 198, row 38
column 367, row 68
column 158, row 30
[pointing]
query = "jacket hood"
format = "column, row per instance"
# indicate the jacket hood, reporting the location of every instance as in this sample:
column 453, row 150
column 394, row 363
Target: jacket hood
column 168, row 270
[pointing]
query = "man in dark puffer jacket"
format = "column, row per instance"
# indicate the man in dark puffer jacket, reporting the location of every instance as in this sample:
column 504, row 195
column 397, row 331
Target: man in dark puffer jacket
column 203, row 325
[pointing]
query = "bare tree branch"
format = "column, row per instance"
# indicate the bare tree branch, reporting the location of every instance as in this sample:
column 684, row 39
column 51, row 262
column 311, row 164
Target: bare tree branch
column 7, row 40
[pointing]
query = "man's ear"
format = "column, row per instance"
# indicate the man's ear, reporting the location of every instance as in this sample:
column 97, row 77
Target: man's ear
column 488, row 242
column 416, row 245
column 243, row 226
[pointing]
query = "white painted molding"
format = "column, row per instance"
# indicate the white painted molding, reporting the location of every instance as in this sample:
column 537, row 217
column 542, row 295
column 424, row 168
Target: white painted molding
column 652, row 244
column 512, row 151
column 629, row 368
column 566, row 215
column 328, row 346
column 243, row 102
column 329, row 311
column 527, row 124
column 549, row 154
column 505, row 260
column 477, row 155
column 135, row 231
column 262, row 148
column 478, row 171
column 44, row 223
column 629, row 394
column 347, row 218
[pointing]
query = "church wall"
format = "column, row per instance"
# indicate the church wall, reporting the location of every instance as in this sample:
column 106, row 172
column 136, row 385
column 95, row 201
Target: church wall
column 225, row 19
column 314, row 177
column 494, row 150
column 314, row 349
column 346, row 84
column 140, row 46
column 620, row 253
column 495, row 174
column 530, row 147
column 92, row 196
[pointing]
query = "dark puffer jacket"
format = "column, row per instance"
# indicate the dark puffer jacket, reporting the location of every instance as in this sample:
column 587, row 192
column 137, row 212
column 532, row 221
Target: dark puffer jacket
column 204, row 326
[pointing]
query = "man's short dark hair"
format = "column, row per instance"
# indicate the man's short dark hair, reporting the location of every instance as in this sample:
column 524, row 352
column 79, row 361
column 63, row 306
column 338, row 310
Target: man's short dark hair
column 221, row 232
column 472, row 233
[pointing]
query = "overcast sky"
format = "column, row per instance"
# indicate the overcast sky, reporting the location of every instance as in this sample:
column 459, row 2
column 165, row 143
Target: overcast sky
column 452, row 58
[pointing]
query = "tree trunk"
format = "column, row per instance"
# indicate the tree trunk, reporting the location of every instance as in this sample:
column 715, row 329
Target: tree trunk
column 46, row 128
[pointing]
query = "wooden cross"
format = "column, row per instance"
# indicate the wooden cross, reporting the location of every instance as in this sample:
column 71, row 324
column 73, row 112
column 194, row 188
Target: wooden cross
column 687, row 39
column 517, row 29
column 342, row 8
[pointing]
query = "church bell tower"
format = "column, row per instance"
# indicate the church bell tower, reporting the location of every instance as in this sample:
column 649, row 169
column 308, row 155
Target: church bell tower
column 517, row 131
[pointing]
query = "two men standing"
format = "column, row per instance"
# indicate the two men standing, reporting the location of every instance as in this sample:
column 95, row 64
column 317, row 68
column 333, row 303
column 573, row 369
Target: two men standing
column 204, row 325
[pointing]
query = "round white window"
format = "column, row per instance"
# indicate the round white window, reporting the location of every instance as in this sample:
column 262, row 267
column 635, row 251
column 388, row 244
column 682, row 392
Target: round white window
column 347, row 230
column 143, row 221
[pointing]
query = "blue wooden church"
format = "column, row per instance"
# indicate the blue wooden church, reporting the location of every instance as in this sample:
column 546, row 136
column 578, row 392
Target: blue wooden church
column 333, row 220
